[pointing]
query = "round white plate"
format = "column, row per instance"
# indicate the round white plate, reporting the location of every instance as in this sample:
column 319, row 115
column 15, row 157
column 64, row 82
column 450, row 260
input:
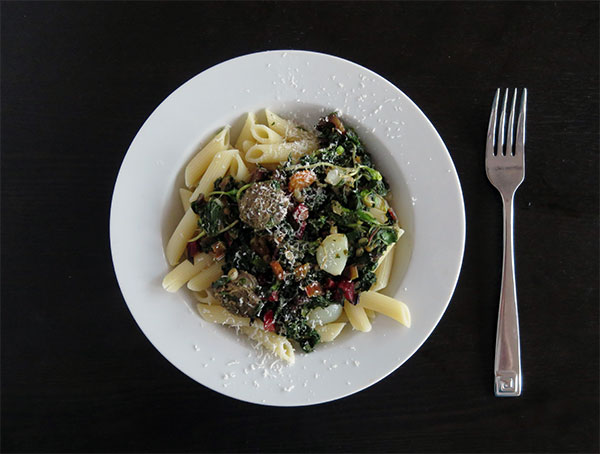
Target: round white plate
column 304, row 86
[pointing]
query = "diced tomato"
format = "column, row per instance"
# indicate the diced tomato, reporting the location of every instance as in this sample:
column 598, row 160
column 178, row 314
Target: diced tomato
column 274, row 296
column 300, row 213
column 348, row 291
column 301, row 179
column 313, row 289
column 277, row 270
column 268, row 321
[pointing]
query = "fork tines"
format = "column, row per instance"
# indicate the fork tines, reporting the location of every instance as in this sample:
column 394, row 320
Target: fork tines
column 512, row 146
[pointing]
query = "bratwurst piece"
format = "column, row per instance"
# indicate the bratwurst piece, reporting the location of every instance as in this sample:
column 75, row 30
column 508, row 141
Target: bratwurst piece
column 238, row 296
column 263, row 205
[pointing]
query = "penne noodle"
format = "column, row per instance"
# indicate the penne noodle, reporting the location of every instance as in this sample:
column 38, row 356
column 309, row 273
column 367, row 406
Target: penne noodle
column 183, row 272
column 357, row 316
column 290, row 131
column 205, row 296
column 238, row 169
column 277, row 123
column 371, row 314
column 245, row 134
column 343, row 318
column 330, row 331
column 199, row 163
column 185, row 195
column 183, row 232
column 264, row 134
column 385, row 305
column 271, row 153
column 272, row 342
column 383, row 270
column 246, row 145
column 220, row 315
column 384, row 266
column 217, row 169
column 205, row 278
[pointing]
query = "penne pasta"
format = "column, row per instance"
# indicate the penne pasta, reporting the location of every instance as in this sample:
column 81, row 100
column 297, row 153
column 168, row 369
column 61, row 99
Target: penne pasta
column 357, row 316
column 264, row 134
column 220, row 315
column 199, row 257
column 288, row 129
column 330, row 331
column 217, row 169
column 383, row 270
column 205, row 296
column 246, row 134
column 278, row 152
column 272, row 342
column 385, row 305
column 183, row 232
column 277, row 123
column 185, row 195
column 205, row 278
column 343, row 318
column 371, row 314
column 238, row 169
column 183, row 272
column 246, row 145
column 199, row 163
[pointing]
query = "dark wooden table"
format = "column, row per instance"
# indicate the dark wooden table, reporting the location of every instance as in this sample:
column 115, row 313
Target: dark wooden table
column 79, row 79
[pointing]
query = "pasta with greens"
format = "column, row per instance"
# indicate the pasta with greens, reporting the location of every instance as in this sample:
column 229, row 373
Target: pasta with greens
column 288, row 235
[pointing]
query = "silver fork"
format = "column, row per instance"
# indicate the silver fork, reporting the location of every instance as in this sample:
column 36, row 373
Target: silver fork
column 505, row 168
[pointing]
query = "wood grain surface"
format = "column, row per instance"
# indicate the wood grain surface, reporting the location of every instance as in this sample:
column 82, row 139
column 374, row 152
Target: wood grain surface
column 77, row 82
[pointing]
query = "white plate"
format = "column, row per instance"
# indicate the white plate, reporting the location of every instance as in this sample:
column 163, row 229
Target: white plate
column 302, row 85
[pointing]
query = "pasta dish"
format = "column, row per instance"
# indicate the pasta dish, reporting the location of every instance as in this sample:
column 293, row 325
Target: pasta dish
column 287, row 235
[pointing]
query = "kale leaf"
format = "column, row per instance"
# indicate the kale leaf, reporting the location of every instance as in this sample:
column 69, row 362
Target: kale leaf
column 315, row 197
column 366, row 280
column 241, row 257
column 210, row 215
column 296, row 327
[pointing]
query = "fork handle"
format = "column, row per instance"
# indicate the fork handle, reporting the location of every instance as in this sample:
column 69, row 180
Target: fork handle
column 507, row 364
